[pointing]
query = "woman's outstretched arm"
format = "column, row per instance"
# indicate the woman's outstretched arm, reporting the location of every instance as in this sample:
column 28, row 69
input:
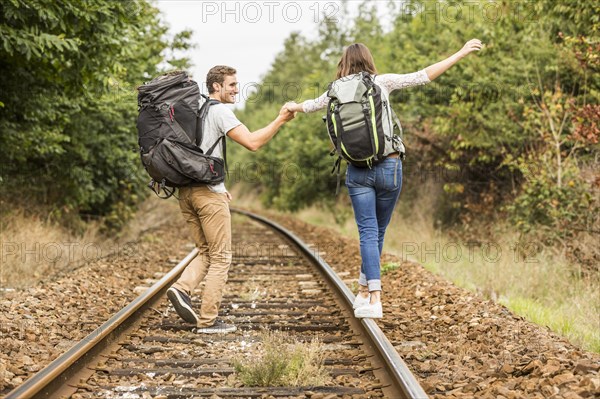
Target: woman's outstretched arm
column 394, row 81
column 435, row 70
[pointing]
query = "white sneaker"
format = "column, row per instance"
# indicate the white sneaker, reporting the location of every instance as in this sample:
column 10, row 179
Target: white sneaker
column 369, row 311
column 359, row 301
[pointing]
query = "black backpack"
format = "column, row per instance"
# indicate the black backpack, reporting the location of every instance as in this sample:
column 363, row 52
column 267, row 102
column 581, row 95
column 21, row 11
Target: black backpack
column 361, row 122
column 170, row 124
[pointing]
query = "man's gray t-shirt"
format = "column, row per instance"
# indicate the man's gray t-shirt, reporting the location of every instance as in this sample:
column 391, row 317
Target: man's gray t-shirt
column 219, row 121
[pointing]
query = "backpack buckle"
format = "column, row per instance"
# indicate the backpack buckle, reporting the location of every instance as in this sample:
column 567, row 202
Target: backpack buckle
column 156, row 187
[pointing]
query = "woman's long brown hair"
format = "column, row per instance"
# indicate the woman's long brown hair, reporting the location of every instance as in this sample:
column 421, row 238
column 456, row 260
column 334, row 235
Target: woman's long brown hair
column 356, row 58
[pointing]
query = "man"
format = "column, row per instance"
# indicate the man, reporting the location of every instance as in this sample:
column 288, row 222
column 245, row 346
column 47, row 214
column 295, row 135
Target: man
column 206, row 208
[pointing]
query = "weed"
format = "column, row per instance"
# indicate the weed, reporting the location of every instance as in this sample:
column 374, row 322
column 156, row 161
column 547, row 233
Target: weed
column 253, row 292
column 389, row 267
column 283, row 362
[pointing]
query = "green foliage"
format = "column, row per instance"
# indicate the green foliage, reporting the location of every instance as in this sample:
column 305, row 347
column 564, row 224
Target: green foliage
column 68, row 103
column 475, row 126
column 554, row 196
column 556, row 199
column 553, row 211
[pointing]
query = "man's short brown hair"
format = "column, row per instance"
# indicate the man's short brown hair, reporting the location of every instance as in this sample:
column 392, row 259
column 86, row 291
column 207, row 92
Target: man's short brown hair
column 217, row 75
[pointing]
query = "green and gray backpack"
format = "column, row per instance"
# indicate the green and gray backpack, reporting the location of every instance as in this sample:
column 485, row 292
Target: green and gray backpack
column 361, row 123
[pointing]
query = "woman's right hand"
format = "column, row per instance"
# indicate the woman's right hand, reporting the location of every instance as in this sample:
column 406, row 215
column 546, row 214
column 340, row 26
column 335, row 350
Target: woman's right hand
column 470, row 46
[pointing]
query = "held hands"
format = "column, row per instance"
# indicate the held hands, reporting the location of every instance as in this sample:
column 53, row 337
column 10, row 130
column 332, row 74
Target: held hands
column 470, row 46
column 286, row 114
column 293, row 107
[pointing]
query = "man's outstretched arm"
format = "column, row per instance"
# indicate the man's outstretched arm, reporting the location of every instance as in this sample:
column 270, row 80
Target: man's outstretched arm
column 254, row 140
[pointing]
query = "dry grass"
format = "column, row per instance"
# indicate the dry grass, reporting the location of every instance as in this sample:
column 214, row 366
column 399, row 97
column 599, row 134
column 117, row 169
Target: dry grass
column 283, row 362
column 33, row 248
column 543, row 286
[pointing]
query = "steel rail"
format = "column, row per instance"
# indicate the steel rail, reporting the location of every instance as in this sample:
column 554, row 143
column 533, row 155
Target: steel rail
column 57, row 378
column 403, row 381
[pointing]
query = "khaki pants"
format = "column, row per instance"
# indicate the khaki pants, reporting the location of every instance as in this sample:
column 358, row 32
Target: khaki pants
column 207, row 214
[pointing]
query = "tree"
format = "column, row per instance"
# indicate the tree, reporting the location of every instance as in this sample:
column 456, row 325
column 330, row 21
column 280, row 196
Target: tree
column 67, row 106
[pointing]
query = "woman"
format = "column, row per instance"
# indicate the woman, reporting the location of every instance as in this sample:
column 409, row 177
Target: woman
column 374, row 191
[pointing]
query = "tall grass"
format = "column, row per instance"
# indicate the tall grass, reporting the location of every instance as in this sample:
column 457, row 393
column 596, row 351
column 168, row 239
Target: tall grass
column 541, row 286
column 33, row 247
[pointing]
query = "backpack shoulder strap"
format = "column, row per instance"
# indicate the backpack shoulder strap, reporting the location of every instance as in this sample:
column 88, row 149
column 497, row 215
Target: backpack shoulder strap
column 212, row 147
column 202, row 117
column 329, row 86
column 366, row 76
column 203, row 112
column 396, row 120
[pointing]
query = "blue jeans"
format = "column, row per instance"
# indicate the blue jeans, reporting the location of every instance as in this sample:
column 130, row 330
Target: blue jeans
column 374, row 193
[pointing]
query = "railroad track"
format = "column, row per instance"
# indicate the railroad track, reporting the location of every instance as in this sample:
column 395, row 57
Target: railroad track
column 276, row 282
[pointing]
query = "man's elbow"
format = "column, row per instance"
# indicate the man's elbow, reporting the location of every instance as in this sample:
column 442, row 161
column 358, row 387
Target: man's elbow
column 250, row 145
column 253, row 147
